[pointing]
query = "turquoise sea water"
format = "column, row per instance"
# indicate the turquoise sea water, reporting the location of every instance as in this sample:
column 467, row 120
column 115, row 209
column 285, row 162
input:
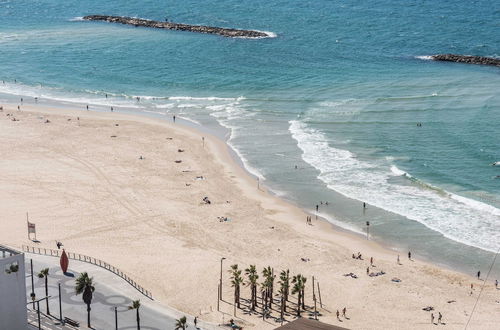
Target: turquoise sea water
column 337, row 92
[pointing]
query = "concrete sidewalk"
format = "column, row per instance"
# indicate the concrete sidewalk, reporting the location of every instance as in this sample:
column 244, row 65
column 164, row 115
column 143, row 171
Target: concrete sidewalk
column 110, row 291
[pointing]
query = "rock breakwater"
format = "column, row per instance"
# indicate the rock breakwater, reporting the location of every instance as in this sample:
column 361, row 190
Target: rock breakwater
column 467, row 59
column 226, row 32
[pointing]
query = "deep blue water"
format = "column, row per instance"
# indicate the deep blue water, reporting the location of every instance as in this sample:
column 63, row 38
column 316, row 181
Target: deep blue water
column 338, row 92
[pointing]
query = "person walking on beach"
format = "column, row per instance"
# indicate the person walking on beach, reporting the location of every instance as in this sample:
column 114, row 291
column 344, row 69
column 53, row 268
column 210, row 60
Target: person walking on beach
column 196, row 321
column 367, row 270
column 87, row 107
column 371, row 261
column 471, row 288
column 344, row 310
column 496, row 284
column 478, row 274
column 440, row 318
column 432, row 318
column 399, row 262
column 338, row 314
column 173, row 118
column 409, row 255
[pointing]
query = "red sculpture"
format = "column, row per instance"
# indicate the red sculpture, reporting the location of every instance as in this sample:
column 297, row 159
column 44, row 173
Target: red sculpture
column 64, row 262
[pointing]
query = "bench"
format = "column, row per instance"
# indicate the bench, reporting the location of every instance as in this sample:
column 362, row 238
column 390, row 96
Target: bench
column 71, row 322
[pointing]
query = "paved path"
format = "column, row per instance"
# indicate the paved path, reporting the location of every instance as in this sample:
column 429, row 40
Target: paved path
column 110, row 291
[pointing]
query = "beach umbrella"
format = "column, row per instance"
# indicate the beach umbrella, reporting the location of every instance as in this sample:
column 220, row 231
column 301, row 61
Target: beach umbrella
column 64, row 262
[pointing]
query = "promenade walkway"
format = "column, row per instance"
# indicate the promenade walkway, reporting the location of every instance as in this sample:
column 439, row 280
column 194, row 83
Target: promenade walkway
column 110, row 291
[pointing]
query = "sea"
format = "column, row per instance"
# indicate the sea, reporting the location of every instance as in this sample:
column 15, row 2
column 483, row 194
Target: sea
column 340, row 105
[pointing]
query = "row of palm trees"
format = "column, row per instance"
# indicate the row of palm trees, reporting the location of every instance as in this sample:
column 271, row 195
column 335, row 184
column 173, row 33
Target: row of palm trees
column 287, row 285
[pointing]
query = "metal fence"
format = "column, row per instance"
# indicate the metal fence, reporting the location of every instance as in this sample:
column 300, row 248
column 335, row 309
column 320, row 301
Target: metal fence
column 91, row 260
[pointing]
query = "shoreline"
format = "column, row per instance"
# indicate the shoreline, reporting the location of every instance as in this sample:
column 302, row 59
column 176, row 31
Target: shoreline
column 321, row 231
column 344, row 215
column 220, row 134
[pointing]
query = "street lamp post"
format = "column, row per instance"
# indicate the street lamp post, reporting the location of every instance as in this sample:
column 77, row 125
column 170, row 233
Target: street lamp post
column 367, row 230
column 60, row 305
column 220, row 282
column 32, row 284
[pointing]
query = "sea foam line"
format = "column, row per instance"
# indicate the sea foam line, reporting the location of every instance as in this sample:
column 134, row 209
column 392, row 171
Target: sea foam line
column 456, row 217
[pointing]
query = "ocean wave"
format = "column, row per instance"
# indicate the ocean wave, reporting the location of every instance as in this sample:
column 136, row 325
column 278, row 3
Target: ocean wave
column 424, row 57
column 76, row 19
column 210, row 98
column 456, row 217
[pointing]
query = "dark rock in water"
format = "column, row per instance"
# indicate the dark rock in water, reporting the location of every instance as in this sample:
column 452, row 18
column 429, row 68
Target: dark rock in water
column 467, row 59
column 234, row 33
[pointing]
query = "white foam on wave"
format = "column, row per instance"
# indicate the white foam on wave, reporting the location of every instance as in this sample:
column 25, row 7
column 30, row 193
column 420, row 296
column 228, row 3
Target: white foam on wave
column 459, row 218
column 59, row 95
column 269, row 34
column 424, row 57
column 226, row 113
column 397, row 171
column 210, row 98
column 76, row 19
column 165, row 106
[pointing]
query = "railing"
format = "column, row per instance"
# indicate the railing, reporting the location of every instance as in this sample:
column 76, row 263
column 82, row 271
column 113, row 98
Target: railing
column 94, row 261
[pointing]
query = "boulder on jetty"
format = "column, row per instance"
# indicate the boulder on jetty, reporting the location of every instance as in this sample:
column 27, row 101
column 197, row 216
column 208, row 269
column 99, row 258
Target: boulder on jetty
column 467, row 59
column 226, row 32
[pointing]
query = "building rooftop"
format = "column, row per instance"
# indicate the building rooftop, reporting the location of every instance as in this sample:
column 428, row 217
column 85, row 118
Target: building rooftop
column 6, row 252
column 306, row 324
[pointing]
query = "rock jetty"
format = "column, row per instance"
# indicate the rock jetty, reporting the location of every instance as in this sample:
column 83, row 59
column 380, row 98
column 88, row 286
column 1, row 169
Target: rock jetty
column 232, row 33
column 467, row 59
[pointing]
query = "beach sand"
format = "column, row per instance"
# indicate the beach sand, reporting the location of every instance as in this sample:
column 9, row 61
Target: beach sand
column 84, row 184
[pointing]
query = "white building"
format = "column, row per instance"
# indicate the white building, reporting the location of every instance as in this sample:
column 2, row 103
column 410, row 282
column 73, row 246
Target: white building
column 13, row 314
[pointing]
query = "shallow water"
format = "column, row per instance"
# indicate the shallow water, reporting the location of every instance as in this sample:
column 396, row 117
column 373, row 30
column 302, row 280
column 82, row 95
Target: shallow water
column 338, row 93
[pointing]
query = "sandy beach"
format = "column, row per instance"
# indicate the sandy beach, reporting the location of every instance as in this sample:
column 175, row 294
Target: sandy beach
column 130, row 189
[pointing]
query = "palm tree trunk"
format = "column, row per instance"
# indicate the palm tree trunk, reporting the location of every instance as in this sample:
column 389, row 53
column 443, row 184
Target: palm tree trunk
column 47, row 293
column 138, row 320
column 88, row 316
column 253, row 298
column 282, row 306
column 303, row 304
column 238, row 297
column 298, row 306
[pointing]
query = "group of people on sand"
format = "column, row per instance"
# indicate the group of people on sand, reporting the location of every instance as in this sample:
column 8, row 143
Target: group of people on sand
column 344, row 311
column 309, row 220
column 439, row 318
column 358, row 256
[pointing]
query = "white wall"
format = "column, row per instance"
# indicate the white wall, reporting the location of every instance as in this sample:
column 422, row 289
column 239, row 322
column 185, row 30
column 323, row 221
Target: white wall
column 13, row 314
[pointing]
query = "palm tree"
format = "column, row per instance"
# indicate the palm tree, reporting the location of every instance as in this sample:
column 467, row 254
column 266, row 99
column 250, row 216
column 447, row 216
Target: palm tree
column 236, row 281
column 298, row 287
column 284, row 287
column 84, row 284
column 253, row 276
column 267, row 285
column 136, row 304
column 44, row 273
column 180, row 324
